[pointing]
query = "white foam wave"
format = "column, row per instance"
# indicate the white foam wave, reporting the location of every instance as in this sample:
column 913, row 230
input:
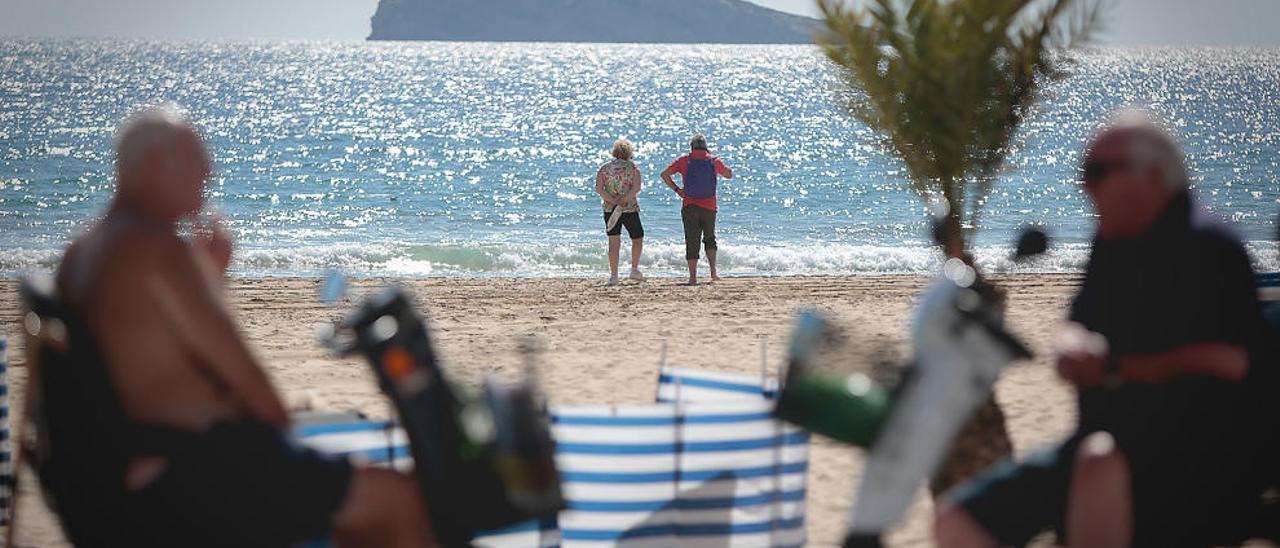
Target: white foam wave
column 385, row 259
column 18, row 260
column 578, row 260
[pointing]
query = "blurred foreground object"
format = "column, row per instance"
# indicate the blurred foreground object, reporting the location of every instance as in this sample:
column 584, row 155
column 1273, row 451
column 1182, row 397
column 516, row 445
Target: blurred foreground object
column 959, row 347
column 947, row 84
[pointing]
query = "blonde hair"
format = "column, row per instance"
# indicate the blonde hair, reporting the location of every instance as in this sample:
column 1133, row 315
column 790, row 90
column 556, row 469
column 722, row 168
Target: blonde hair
column 623, row 149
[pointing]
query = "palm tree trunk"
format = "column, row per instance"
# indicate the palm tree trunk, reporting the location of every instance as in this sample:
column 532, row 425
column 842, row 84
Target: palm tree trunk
column 984, row 439
column 982, row 442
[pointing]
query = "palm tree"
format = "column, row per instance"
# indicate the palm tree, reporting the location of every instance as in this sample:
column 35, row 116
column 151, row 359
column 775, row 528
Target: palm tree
column 948, row 83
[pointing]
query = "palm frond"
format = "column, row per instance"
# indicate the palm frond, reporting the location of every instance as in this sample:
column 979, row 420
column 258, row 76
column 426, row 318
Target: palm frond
column 948, row 83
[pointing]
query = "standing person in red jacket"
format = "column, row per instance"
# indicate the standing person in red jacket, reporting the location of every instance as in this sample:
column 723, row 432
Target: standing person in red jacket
column 698, row 171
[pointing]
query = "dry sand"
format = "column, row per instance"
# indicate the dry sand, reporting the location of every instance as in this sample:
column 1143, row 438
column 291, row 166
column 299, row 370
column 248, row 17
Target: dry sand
column 602, row 345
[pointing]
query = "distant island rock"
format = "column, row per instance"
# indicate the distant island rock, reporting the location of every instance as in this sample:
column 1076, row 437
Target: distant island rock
column 645, row 21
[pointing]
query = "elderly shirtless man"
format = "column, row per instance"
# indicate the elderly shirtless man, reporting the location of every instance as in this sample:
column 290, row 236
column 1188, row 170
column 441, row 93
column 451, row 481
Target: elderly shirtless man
column 152, row 301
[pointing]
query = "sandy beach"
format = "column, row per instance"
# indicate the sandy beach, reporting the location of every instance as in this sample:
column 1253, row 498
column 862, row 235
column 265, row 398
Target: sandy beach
column 603, row 345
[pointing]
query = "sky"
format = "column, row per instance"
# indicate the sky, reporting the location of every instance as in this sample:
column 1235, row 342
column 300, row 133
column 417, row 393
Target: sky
column 1136, row 22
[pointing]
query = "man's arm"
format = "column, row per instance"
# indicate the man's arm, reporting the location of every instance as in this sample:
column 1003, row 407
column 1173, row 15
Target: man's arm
column 723, row 170
column 212, row 238
column 1224, row 361
column 1083, row 357
column 666, row 178
column 200, row 318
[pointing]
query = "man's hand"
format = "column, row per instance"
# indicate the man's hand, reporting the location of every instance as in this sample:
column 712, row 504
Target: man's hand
column 1082, row 355
column 212, row 238
column 680, row 192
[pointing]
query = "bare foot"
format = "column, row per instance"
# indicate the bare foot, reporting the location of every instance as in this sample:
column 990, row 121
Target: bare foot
column 715, row 278
column 690, row 283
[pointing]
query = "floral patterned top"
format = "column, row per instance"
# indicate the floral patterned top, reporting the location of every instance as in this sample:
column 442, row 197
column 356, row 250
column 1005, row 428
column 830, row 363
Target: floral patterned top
column 621, row 177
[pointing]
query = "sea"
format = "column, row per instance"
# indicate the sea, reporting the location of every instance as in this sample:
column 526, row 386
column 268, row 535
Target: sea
column 478, row 159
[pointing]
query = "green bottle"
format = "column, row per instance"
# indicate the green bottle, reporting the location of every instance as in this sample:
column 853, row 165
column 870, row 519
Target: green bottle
column 847, row 408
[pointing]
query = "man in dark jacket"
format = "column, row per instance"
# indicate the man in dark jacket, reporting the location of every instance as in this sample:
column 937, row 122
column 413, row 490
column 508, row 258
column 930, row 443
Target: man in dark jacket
column 1164, row 346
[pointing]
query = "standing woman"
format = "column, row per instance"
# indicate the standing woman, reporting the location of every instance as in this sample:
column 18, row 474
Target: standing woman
column 618, row 184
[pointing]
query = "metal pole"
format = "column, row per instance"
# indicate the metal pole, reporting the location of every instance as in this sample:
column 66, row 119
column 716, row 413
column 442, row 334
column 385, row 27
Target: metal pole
column 764, row 363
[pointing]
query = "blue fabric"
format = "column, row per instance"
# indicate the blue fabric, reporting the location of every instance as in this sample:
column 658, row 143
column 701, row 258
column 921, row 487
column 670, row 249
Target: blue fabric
column 700, row 178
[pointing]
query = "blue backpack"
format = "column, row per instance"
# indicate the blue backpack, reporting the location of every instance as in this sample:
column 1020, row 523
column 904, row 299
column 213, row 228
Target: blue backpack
column 700, row 178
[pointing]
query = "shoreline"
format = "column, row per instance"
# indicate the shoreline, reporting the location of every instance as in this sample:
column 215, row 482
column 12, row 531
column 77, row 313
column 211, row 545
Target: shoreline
column 603, row 345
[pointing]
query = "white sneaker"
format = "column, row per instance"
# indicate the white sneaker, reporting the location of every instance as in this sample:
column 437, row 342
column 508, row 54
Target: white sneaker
column 636, row 275
column 612, row 282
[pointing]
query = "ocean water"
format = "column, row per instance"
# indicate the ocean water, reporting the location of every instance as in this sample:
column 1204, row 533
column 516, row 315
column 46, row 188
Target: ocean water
column 418, row 159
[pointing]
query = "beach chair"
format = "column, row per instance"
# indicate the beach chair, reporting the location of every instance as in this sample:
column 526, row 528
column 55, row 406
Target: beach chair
column 70, row 406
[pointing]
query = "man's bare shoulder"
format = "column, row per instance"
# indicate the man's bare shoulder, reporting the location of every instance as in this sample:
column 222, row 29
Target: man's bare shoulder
column 115, row 258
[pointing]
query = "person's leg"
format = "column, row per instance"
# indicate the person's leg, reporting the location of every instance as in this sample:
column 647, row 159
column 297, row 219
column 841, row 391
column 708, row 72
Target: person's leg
column 1100, row 506
column 1009, row 503
column 709, row 241
column 953, row 527
column 615, row 245
column 382, row 508
column 692, row 239
column 635, row 229
column 637, row 247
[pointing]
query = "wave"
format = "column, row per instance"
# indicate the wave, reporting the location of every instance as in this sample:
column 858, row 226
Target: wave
column 548, row 260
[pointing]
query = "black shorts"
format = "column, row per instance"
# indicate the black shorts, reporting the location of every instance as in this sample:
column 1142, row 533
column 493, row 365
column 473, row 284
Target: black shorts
column 1015, row 502
column 635, row 229
column 241, row 484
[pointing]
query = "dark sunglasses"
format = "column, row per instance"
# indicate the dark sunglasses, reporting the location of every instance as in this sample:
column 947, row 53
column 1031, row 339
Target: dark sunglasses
column 1093, row 172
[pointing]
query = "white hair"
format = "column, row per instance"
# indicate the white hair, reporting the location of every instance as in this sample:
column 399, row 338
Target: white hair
column 1151, row 143
column 623, row 149
column 154, row 126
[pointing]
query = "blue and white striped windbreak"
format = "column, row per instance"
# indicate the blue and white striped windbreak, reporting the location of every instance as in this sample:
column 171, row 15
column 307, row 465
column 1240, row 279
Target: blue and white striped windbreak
column 647, row 475
column 703, row 473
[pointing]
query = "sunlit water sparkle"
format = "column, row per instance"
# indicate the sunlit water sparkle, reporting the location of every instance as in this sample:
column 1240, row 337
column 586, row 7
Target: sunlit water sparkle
column 478, row 159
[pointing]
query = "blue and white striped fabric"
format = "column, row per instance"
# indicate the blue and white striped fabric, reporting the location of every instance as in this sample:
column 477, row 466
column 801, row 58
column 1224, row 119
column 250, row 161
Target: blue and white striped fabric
column 646, row 475
column 696, row 385
column 698, row 474
column 714, row 469
column 381, row 443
